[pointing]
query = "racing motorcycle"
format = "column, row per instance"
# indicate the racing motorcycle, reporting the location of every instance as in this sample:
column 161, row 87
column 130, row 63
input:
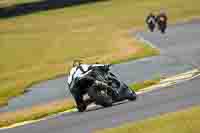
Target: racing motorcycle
column 102, row 87
column 162, row 24
column 151, row 24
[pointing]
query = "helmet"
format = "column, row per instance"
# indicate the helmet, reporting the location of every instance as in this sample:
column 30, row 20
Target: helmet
column 77, row 63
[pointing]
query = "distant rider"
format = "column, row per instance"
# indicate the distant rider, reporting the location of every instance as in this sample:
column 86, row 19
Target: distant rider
column 151, row 22
column 161, row 20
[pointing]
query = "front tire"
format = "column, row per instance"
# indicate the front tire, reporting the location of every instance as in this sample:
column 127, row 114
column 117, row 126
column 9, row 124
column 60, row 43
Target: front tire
column 151, row 27
column 81, row 107
column 100, row 95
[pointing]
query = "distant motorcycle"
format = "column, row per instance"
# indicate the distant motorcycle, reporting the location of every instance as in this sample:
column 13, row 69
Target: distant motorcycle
column 162, row 24
column 151, row 22
column 102, row 87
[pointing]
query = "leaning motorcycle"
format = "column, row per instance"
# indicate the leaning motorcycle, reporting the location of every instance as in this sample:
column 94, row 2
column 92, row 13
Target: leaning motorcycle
column 102, row 87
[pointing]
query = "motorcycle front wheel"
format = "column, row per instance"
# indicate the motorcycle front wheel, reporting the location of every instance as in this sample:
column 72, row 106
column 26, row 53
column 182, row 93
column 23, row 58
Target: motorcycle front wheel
column 100, row 95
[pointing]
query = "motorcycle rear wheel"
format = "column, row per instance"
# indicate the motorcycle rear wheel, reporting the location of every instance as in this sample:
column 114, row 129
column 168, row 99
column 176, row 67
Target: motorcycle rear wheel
column 132, row 96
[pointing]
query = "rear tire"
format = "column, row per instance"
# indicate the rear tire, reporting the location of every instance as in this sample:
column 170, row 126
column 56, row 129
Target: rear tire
column 132, row 96
column 99, row 94
column 163, row 31
column 162, row 28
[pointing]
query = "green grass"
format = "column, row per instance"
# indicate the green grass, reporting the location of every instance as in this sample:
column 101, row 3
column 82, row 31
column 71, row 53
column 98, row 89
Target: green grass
column 186, row 121
column 146, row 49
column 144, row 84
column 42, row 45
column 4, row 3
column 24, row 1
column 35, row 112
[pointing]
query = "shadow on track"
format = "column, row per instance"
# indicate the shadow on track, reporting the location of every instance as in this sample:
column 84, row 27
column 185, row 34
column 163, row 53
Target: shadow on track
column 37, row 6
column 92, row 109
column 100, row 107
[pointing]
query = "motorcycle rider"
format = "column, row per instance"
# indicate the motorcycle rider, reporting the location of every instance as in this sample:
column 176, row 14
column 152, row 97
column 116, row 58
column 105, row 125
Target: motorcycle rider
column 151, row 21
column 161, row 20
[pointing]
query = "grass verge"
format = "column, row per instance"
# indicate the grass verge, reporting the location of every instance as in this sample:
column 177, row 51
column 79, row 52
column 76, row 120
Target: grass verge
column 35, row 112
column 186, row 121
column 144, row 84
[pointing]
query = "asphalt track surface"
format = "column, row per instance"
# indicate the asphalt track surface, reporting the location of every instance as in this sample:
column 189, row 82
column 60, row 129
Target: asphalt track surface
column 182, row 43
